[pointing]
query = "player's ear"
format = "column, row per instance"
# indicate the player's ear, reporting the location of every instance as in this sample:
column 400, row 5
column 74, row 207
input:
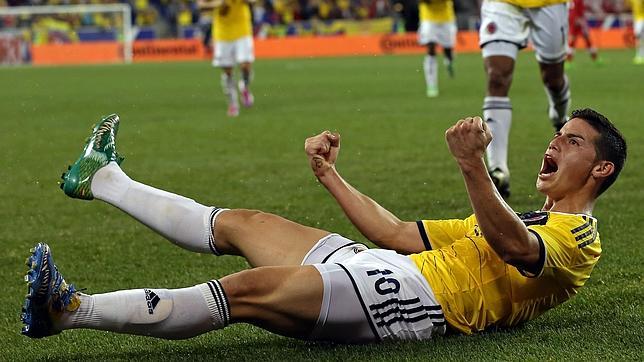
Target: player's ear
column 602, row 169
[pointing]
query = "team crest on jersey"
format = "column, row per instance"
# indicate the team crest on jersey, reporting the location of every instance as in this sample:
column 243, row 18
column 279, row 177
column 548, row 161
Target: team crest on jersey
column 491, row 28
column 534, row 217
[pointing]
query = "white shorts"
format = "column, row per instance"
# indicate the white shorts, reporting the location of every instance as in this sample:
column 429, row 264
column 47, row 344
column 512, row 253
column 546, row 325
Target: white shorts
column 638, row 29
column 230, row 53
column 371, row 295
column 443, row 33
column 506, row 28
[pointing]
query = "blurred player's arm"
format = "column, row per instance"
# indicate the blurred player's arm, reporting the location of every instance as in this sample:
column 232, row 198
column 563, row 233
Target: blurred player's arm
column 502, row 228
column 374, row 221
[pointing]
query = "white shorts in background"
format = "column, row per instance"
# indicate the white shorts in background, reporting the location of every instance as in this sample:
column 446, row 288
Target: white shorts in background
column 545, row 27
column 230, row 53
column 371, row 295
column 443, row 33
column 638, row 29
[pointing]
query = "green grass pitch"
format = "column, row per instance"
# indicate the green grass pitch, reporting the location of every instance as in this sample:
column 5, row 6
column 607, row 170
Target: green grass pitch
column 175, row 135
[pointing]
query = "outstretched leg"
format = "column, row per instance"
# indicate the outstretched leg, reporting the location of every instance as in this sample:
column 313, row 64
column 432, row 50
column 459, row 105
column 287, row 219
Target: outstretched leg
column 262, row 238
column 284, row 300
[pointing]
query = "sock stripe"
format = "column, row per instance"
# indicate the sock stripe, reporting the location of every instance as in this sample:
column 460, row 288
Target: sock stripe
column 217, row 302
column 496, row 107
column 211, row 235
column 496, row 104
column 223, row 300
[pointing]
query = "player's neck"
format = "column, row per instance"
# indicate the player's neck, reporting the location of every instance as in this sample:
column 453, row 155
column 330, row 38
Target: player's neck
column 572, row 204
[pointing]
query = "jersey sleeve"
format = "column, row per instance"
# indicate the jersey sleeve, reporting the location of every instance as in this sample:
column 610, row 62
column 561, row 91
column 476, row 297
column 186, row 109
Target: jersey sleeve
column 558, row 248
column 439, row 233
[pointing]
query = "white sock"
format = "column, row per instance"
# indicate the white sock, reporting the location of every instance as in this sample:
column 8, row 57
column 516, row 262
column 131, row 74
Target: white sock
column 228, row 86
column 430, row 67
column 559, row 103
column 164, row 313
column 497, row 112
column 640, row 48
column 179, row 219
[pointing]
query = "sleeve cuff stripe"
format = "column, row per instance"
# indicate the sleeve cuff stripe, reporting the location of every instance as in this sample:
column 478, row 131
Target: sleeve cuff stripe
column 542, row 258
column 423, row 235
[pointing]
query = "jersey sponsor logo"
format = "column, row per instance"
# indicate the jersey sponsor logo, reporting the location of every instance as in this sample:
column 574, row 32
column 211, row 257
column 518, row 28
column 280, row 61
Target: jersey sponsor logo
column 152, row 300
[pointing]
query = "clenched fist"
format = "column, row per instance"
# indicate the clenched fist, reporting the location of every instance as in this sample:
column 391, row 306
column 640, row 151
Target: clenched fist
column 468, row 139
column 322, row 151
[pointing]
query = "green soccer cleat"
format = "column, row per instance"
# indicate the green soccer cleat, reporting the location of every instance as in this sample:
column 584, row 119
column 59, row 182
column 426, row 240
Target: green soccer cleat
column 48, row 296
column 99, row 150
column 432, row 92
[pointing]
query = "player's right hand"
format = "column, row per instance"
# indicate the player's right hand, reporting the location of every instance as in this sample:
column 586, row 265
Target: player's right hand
column 322, row 151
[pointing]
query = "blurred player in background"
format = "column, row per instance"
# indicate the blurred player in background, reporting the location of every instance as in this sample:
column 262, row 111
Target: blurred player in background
column 232, row 31
column 437, row 26
column 506, row 26
column 579, row 27
column 637, row 7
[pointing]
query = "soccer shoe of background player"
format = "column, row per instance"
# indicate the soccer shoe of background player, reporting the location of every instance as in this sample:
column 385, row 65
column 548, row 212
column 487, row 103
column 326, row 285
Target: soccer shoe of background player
column 233, row 110
column 501, row 182
column 432, row 92
column 99, row 150
column 48, row 295
column 246, row 95
column 638, row 60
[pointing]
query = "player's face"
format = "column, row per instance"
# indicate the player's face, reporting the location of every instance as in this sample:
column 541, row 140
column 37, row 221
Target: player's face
column 569, row 159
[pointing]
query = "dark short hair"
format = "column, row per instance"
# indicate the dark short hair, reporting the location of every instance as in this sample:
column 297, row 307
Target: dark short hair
column 609, row 146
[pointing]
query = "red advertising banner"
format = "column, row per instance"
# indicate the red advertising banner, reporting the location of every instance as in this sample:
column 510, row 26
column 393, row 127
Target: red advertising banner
column 287, row 47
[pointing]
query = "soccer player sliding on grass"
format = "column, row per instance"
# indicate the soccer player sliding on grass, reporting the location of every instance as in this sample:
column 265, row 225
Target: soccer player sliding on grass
column 494, row 268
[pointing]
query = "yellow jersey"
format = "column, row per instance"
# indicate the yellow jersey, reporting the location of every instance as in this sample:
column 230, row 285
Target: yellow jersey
column 532, row 3
column 477, row 289
column 436, row 10
column 232, row 21
column 637, row 6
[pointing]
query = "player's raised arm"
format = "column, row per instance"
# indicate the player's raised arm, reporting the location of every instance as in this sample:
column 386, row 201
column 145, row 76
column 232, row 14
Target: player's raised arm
column 375, row 222
column 502, row 228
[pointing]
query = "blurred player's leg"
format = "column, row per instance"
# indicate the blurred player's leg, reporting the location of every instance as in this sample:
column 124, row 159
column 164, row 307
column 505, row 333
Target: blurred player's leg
column 497, row 112
column 449, row 61
column 245, row 57
column 224, row 58
column 549, row 37
column 228, row 87
column 262, row 238
column 504, row 30
column 430, row 68
column 447, row 41
column 638, row 28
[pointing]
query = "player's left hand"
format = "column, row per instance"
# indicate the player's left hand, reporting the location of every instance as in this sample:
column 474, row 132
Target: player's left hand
column 322, row 151
column 468, row 139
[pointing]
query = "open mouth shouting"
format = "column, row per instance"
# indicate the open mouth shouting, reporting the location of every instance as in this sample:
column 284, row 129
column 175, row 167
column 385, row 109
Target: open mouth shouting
column 548, row 167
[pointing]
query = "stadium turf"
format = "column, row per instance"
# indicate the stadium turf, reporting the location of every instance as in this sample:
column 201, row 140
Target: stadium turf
column 175, row 135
